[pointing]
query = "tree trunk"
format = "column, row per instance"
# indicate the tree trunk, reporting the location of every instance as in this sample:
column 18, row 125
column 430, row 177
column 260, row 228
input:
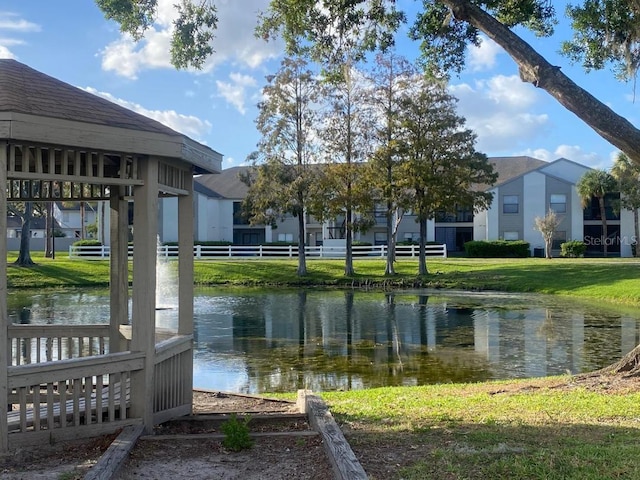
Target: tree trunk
column 302, row 257
column 49, row 232
column 548, row 242
column 24, row 256
column 348, row 259
column 636, row 240
column 422, row 253
column 603, row 216
column 391, row 242
column 537, row 70
column 629, row 364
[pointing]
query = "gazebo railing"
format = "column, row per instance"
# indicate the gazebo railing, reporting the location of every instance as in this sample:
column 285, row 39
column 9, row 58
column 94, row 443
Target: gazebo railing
column 64, row 383
column 46, row 343
column 73, row 398
column 173, row 373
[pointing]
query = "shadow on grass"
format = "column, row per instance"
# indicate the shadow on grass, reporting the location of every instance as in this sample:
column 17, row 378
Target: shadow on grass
column 491, row 451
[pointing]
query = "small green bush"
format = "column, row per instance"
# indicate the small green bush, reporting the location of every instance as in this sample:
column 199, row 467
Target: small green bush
column 573, row 249
column 497, row 249
column 359, row 243
column 236, row 434
column 87, row 243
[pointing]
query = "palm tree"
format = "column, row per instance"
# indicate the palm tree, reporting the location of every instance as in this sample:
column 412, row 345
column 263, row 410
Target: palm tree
column 628, row 176
column 597, row 183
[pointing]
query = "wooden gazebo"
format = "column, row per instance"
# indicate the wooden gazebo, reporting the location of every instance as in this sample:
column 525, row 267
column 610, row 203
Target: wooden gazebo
column 60, row 143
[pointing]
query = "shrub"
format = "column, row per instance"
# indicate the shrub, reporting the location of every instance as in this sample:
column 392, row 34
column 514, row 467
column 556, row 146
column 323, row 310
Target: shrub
column 87, row 243
column 497, row 249
column 236, row 434
column 359, row 243
column 573, row 249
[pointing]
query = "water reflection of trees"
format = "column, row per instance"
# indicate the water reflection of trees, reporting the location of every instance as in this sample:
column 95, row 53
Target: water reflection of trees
column 353, row 361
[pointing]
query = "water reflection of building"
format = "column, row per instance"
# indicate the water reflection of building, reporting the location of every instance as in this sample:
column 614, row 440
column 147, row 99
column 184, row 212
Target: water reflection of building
column 344, row 340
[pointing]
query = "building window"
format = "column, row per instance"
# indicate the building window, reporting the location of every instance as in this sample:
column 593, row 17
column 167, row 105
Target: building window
column 558, row 203
column 285, row 237
column 510, row 236
column 510, row 204
column 559, row 237
column 379, row 238
column 462, row 215
column 413, row 237
column 239, row 217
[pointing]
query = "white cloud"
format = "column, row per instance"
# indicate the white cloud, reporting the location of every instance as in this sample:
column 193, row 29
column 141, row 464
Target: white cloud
column 186, row 124
column 5, row 52
column 11, row 21
column 235, row 92
column 125, row 58
column 484, row 56
column 571, row 152
column 234, row 41
column 501, row 112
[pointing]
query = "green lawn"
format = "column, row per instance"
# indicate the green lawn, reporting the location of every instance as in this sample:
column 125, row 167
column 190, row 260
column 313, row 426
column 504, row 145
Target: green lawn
column 614, row 279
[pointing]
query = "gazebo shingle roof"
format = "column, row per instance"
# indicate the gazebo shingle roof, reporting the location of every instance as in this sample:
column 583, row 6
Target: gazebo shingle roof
column 28, row 91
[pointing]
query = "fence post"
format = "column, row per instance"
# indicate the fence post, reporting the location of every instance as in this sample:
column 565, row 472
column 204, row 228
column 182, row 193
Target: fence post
column 260, row 251
column 444, row 250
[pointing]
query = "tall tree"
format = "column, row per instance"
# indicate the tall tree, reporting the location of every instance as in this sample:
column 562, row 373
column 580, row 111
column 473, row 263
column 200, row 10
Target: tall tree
column 389, row 78
column 283, row 180
column 597, row 184
column 345, row 145
column 628, row 176
column 444, row 169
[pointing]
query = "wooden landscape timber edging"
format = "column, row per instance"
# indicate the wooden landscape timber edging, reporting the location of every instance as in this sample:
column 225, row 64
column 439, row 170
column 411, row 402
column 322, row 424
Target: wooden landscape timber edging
column 117, row 453
column 344, row 462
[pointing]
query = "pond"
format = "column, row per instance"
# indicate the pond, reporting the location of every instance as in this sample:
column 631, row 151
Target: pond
column 256, row 340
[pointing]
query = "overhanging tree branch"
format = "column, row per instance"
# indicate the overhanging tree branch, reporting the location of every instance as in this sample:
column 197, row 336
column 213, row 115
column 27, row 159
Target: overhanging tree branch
column 535, row 69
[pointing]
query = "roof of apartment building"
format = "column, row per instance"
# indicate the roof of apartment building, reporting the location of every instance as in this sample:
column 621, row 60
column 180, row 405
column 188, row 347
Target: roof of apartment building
column 227, row 183
column 509, row 168
column 37, row 223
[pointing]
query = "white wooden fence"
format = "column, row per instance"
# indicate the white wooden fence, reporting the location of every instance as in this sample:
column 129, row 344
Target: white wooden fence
column 266, row 251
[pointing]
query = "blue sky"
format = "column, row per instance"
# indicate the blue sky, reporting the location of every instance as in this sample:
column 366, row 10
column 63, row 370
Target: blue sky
column 71, row 40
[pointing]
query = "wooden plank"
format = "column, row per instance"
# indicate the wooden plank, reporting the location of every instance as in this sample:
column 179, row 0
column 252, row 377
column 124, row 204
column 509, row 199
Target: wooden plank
column 44, row 437
column 115, row 456
column 35, row 374
column 344, row 462
column 221, row 436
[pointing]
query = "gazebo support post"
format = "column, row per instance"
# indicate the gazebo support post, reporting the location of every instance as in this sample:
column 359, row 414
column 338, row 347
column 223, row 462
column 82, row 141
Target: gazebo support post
column 145, row 231
column 4, row 320
column 119, row 262
column 185, row 280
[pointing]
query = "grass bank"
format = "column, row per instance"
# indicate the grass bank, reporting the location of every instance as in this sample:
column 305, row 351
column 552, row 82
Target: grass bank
column 552, row 428
column 614, row 280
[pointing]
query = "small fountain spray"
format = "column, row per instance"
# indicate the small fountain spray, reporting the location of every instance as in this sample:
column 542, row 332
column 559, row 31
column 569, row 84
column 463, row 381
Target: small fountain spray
column 166, row 281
